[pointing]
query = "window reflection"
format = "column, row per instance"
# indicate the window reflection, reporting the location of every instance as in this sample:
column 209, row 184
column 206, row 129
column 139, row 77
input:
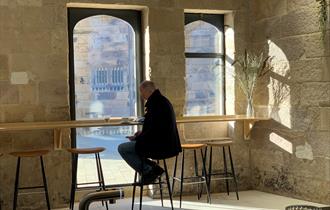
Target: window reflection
column 204, row 69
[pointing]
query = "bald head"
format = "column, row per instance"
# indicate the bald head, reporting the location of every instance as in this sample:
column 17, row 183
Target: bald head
column 147, row 88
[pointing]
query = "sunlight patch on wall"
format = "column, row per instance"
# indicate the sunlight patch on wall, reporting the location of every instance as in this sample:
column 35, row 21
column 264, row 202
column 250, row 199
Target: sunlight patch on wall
column 304, row 151
column 281, row 142
column 279, row 86
column 230, row 81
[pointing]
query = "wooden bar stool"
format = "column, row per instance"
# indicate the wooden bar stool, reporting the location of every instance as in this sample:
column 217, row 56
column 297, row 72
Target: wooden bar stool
column 74, row 185
column 192, row 179
column 30, row 154
column 225, row 175
column 140, row 183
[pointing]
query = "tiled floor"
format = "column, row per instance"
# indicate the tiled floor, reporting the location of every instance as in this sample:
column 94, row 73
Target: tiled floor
column 249, row 200
column 115, row 171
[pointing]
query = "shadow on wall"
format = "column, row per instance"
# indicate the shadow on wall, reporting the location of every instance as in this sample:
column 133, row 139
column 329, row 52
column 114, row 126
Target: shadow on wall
column 290, row 155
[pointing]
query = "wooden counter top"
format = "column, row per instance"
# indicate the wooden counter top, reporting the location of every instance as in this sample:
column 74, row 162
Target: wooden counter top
column 58, row 126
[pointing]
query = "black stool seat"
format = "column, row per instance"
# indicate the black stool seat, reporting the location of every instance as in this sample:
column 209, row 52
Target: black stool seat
column 225, row 175
column 74, row 185
column 30, row 154
column 196, row 179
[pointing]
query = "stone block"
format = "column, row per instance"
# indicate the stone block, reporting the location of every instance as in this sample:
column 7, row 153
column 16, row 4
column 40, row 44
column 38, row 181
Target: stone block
column 325, row 118
column 41, row 67
column 320, row 142
column 6, row 142
column 300, row 22
column 265, row 29
column 8, row 40
column 34, row 40
column 241, row 22
column 306, row 119
column 29, row 3
column 58, row 39
column 309, row 70
column 208, row 4
column 4, row 67
column 196, row 131
column 315, row 46
column 273, row 158
column 265, row 9
column 172, row 19
column 31, row 17
column 8, row 93
column 292, row 47
column 26, row 112
column 298, row 4
column 314, row 93
column 53, row 92
column 4, row 3
column 166, row 42
column 28, row 94
column 57, row 113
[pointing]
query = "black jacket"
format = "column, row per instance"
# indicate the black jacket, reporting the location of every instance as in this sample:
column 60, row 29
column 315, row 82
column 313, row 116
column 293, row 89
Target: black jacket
column 159, row 138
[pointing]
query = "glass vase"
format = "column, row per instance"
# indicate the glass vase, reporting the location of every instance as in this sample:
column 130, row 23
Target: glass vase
column 249, row 108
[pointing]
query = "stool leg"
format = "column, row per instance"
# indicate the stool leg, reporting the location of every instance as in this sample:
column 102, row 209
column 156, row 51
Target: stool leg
column 100, row 176
column 98, row 172
column 206, row 179
column 196, row 173
column 134, row 187
column 74, row 179
column 174, row 173
column 101, row 172
column 206, row 175
column 233, row 170
column 160, row 188
column 210, row 168
column 181, row 183
column 225, row 168
column 45, row 181
column 141, row 194
column 16, row 182
column 168, row 184
column 141, row 186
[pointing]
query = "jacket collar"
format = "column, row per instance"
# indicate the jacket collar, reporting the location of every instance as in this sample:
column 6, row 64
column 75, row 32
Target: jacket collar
column 155, row 94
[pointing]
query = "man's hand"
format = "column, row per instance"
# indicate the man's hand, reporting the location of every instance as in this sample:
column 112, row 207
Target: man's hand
column 132, row 138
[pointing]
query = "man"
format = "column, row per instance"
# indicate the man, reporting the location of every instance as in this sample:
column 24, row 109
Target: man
column 158, row 139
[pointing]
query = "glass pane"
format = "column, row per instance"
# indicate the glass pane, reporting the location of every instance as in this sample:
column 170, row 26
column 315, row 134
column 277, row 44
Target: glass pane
column 202, row 37
column 104, row 58
column 203, row 86
column 105, row 85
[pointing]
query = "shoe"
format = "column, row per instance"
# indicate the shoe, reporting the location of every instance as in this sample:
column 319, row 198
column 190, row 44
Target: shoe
column 151, row 176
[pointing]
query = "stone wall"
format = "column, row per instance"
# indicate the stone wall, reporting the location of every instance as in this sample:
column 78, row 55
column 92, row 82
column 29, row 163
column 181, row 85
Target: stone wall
column 290, row 155
column 34, row 78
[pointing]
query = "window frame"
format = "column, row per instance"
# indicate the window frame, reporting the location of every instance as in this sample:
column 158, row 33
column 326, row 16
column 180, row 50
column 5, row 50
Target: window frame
column 217, row 20
column 132, row 17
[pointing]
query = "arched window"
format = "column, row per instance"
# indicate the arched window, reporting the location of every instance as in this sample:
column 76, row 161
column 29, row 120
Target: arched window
column 204, row 51
column 103, row 46
column 104, row 61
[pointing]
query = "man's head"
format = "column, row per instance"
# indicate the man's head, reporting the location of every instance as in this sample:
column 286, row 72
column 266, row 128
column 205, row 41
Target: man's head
column 146, row 89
